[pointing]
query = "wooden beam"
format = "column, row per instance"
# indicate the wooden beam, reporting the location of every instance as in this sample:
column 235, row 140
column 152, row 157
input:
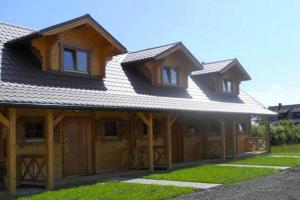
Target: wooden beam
column 168, row 142
column 59, row 118
column 144, row 118
column 173, row 119
column 50, row 149
column 234, row 139
column 94, row 141
column 268, row 135
column 4, row 121
column 150, row 144
column 11, row 152
column 223, row 138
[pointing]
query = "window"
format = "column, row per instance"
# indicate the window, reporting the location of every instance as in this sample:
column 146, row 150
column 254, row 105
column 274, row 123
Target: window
column 214, row 128
column 296, row 115
column 111, row 129
column 145, row 129
column 34, row 130
column 75, row 60
column 226, row 86
column 192, row 131
column 169, row 76
column 242, row 127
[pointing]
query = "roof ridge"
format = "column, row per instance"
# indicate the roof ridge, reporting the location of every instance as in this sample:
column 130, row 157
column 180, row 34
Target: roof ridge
column 154, row 47
column 232, row 59
column 17, row 26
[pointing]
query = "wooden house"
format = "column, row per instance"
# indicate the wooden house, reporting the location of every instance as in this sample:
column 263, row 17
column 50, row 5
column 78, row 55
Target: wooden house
column 74, row 101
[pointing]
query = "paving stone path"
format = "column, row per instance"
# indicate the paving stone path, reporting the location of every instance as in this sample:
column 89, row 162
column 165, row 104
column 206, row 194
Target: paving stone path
column 282, row 186
column 255, row 166
column 165, row 182
column 283, row 156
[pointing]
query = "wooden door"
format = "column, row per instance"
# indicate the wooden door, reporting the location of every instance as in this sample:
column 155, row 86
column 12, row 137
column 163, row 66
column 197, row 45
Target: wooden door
column 177, row 142
column 74, row 146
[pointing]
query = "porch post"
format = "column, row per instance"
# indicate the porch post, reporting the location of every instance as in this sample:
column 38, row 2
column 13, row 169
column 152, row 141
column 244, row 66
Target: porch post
column 50, row 149
column 150, row 143
column 234, row 138
column 268, row 134
column 168, row 143
column 11, row 152
column 223, row 138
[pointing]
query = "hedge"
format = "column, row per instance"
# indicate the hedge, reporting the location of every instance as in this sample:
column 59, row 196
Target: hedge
column 283, row 132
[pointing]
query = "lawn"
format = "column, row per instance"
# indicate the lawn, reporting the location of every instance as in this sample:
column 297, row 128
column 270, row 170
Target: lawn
column 293, row 150
column 212, row 174
column 269, row 161
column 110, row 191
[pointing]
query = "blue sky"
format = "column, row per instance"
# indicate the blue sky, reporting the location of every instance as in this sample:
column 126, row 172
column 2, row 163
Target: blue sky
column 263, row 35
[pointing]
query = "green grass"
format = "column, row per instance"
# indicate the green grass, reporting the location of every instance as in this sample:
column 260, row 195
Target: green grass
column 212, row 174
column 269, row 161
column 293, row 150
column 110, row 191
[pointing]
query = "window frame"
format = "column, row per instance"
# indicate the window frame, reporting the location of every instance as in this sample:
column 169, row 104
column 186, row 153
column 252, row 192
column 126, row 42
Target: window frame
column 117, row 124
column 244, row 125
column 224, row 80
column 34, row 120
column 214, row 124
column 75, row 67
column 296, row 115
column 169, row 68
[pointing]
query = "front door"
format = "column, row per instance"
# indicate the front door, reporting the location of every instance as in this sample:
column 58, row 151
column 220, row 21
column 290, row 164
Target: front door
column 74, row 146
column 177, row 142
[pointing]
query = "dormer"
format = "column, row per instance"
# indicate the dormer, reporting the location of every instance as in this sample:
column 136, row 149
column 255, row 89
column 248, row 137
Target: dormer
column 164, row 66
column 80, row 46
column 222, row 77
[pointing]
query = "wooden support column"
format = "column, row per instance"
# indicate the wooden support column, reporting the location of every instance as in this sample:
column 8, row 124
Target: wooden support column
column 168, row 142
column 11, row 152
column 94, row 141
column 234, row 139
column 268, row 135
column 150, row 143
column 223, row 138
column 50, row 149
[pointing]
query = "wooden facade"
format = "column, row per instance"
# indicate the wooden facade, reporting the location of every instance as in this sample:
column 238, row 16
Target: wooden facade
column 74, row 142
column 41, row 146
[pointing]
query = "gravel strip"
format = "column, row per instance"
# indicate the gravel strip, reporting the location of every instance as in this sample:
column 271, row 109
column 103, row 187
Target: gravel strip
column 282, row 186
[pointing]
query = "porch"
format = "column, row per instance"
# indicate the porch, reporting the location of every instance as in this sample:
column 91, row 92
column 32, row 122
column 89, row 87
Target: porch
column 143, row 141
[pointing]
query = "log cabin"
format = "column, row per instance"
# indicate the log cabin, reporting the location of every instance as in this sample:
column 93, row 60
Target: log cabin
column 74, row 102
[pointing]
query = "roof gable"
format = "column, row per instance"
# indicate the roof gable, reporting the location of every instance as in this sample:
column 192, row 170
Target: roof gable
column 85, row 19
column 157, row 53
column 222, row 67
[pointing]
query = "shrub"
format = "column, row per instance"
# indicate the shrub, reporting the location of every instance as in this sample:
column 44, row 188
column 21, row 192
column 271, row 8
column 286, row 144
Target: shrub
column 285, row 131
column 258, row 130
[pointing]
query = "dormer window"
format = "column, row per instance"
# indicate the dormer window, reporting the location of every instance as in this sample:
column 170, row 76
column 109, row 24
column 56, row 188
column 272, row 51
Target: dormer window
column 75, row 60
column 226, row 86
column 169, row 76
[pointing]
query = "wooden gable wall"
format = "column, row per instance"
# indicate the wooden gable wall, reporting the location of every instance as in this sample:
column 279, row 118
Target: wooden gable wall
column 48, row 49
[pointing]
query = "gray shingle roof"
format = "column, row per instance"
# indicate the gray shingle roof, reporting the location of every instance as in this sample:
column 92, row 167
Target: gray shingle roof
column 23, row 83
column 221, row 66
column 214, row 67
column 147, row 53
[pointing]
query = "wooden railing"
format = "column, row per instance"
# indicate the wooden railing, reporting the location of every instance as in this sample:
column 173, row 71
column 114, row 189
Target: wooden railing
column 137, row 158
column 32, row 169
column 159, row 156
column 256, row 144
column 214, row 149
column 134, row 158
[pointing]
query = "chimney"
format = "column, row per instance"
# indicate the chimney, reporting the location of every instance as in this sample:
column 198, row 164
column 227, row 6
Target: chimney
column 279, row 106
